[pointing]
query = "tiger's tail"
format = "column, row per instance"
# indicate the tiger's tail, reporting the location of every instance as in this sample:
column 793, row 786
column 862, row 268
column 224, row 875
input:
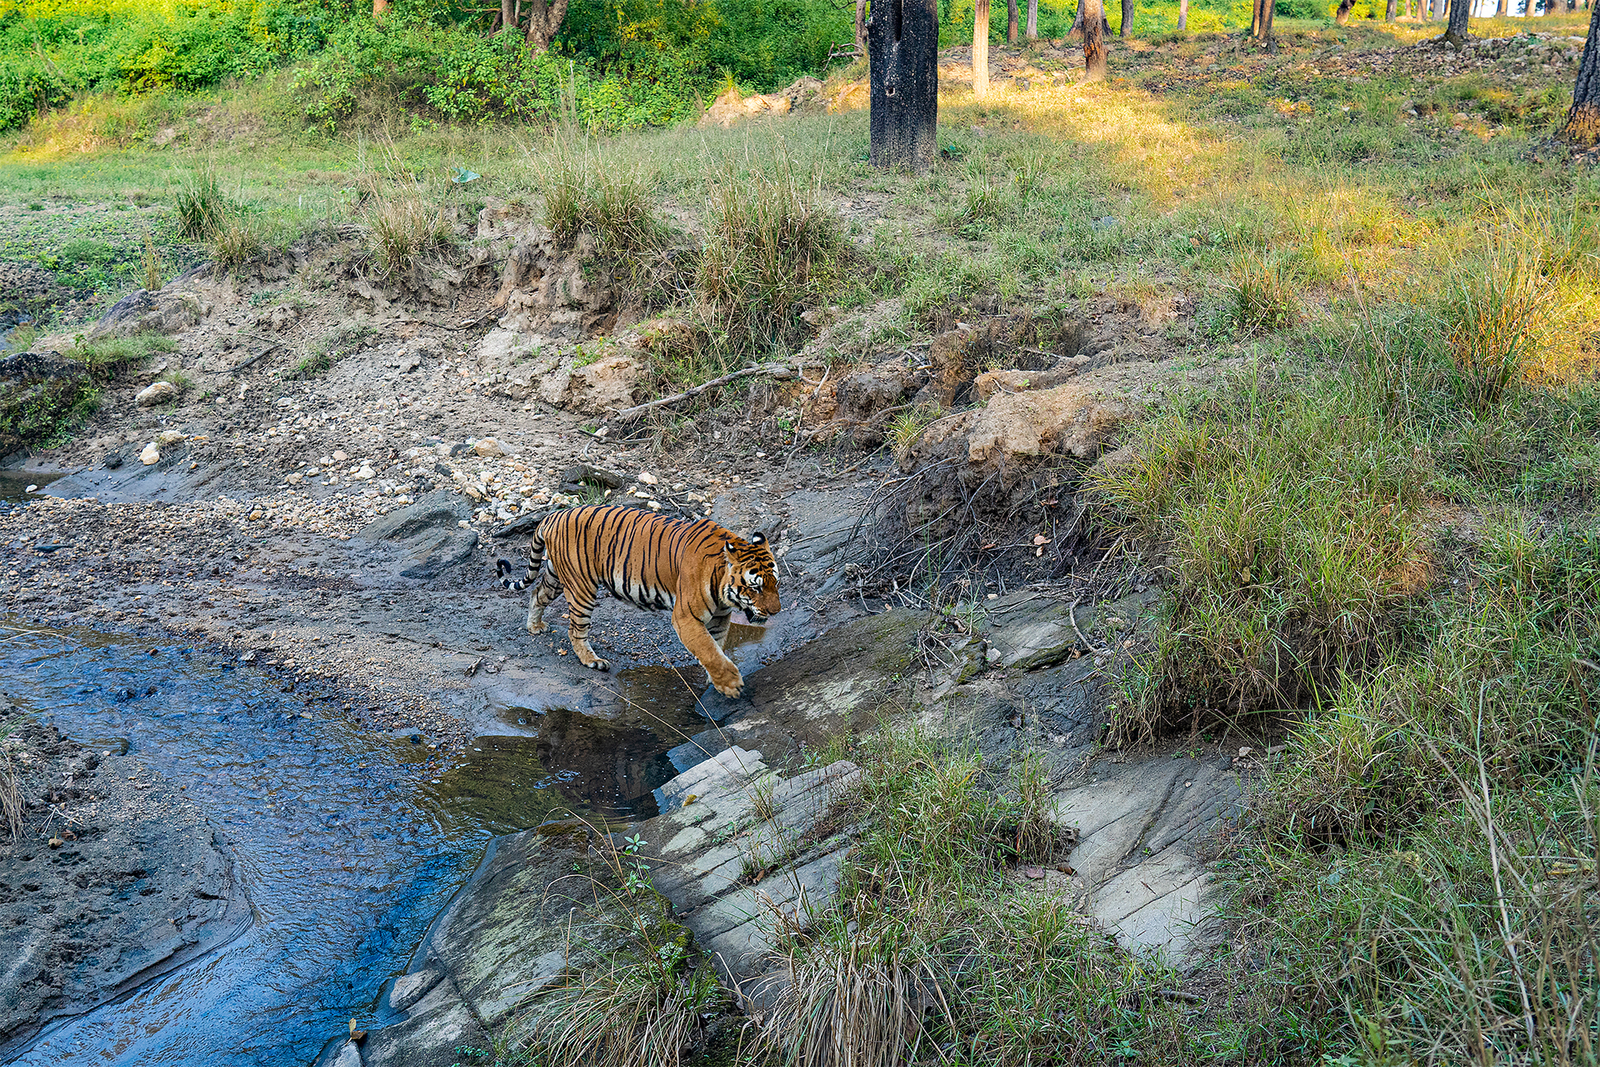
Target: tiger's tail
column 506, row 568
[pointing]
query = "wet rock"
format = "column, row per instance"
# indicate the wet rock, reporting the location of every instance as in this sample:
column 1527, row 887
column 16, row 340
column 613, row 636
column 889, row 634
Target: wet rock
column 151, row 455
column 140, row 885
column 524, row 922
column 731, row 864
column 156, row 393
column 429, row 532
column 168, row 311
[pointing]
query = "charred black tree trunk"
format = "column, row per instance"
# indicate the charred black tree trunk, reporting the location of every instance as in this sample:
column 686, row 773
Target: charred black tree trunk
column 903, row 51
column 1456, row 32
column 1582, row 128
column 1093, row 13
column 1342, row 16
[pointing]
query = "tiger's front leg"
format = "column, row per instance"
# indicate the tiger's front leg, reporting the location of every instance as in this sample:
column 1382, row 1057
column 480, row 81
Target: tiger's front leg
column 705, row 648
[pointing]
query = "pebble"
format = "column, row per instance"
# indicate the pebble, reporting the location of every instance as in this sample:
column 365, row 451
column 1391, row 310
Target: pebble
column 647, row 478
column 488, row 446
column 169, row 437
column 151, row 455
column 339, row 457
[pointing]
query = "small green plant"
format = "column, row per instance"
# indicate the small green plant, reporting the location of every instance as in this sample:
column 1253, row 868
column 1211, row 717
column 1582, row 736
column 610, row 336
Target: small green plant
column 907, row 426
column 152, row 263
column 762, row 794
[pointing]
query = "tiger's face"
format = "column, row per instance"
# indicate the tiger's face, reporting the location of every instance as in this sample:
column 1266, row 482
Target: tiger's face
column 751, row 578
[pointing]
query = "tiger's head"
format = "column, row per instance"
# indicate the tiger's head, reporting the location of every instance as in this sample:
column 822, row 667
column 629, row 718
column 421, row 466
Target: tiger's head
column 750, row 577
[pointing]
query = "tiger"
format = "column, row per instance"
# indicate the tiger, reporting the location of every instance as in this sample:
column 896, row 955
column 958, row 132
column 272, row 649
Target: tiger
column 698, row 569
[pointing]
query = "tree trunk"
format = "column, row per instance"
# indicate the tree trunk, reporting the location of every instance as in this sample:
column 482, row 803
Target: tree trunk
column 903, row 61
column 1261, row 23
column 1456, row 32
column 1033, row 19
column 544, row 20
column 1342, row 16
column 379, row 7
column 1582, row 127
column 1388, row 11
column 1500, row 9
column 980, row 49
column 1183, row 14
column 1077, row 21
column 861, row 27
column 1093, row 13
column 1011, row 22
column 1127, row 18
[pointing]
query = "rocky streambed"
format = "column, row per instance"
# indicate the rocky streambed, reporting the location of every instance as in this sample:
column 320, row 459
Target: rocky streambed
column 296, row 746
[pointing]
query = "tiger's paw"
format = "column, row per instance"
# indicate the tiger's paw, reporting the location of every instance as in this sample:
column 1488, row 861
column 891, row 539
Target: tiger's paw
column 730, row 687
column 599, row 665
column 537, row 626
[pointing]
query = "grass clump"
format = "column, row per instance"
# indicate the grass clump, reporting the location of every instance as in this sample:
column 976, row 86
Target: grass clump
column 931, row 950
column 1289, row 523
column 1260, row 297
column 587, row 198
column 404, row 225
column 772, row 251
column 1494, row 317
column 208, row 215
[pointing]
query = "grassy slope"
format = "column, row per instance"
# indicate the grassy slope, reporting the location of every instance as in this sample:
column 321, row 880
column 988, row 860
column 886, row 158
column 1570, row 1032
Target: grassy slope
column 1377, row 525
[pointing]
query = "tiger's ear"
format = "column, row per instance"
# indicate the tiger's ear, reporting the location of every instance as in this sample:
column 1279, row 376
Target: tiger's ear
column 758, row 538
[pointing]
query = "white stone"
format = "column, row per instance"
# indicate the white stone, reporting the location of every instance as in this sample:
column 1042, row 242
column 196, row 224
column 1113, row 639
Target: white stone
column 647, row 478
column 156, row 393
column 366, row 473
column 489, row 447
column 168, row 437
column 339, row 457
column 151, row 455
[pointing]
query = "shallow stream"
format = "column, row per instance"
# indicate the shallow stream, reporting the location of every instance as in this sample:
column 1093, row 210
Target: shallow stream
column 348, row 841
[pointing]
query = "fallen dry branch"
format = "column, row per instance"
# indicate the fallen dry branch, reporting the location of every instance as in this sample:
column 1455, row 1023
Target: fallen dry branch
column 776, row 370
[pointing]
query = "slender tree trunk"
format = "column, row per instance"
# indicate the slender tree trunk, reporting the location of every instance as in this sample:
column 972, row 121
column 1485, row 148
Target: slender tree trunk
column 508, row 16
column 1011, row 22
column 1077, row 22
column 1388, row 11
column 1582, row 127
column 1127, row 18
column 1033, row 19
column 1500, row 9
column 980, row 49
column 1342, row 16
column 1183, row 14
column 1261, row 23
column 379, row 7
column 1456, row 32
column 1093, row 13
column 861, row 28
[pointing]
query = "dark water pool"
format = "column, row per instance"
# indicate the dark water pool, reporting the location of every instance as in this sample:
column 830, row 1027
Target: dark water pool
column 348, row 841
column 14, row 483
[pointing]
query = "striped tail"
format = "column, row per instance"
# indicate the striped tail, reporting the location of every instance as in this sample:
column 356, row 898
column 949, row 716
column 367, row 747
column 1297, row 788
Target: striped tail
column 505, row 567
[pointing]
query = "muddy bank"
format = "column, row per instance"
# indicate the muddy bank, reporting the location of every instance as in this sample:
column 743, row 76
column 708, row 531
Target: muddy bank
column 115, row 877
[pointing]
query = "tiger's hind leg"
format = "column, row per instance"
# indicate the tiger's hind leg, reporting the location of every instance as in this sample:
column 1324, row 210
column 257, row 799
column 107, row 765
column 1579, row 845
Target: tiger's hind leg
column 549, row 588
column 582, row 610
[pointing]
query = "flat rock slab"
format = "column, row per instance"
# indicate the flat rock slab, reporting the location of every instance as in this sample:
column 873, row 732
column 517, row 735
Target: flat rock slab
column 1139, row 823
column 538, row 907
column 143, row 886
column 739, row 851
